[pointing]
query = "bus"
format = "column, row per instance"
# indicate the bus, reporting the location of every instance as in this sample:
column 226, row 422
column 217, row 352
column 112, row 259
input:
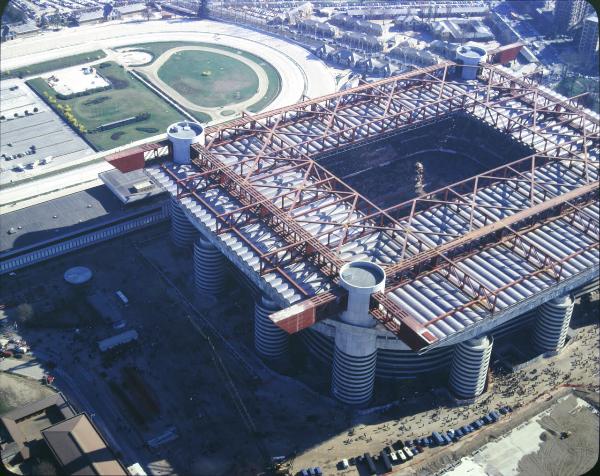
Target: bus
column 370, row 464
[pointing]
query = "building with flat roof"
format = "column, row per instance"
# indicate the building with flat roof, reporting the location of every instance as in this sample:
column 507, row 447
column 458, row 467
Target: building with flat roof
column 462, row 30
column 55, row 227
column 120, row 339
column 80, row 448
column 588, row 43
column 25, row 424
column 568, row 14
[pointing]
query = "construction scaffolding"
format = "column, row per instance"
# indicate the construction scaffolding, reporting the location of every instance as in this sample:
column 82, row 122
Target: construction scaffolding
column 264, row 169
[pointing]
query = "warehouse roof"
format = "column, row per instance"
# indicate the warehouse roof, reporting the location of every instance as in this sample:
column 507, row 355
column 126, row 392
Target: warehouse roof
column 80, row 449
column 54, row 218
column 65, row 216
column 13, row 420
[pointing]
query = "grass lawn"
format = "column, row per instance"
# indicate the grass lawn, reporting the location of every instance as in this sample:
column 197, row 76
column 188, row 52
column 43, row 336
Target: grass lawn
column 574, row 86
column 53, row 65
column 128, row 97
column 156, row 49
column 209, row 79
column 200, row 116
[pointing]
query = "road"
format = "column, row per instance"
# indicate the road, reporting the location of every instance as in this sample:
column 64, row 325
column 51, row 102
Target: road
column 301, row 72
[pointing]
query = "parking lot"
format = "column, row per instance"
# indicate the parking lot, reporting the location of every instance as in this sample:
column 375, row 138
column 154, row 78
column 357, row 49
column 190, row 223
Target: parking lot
column 34, row 139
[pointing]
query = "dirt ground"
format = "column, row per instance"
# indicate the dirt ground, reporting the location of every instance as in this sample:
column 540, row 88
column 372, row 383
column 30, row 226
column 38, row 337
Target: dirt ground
column 16, row 391
column 577, row 364
column 229, row 412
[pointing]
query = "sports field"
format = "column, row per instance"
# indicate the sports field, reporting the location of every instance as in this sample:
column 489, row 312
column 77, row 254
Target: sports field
column 209, row 79
column 218, row 88
column 127, row 98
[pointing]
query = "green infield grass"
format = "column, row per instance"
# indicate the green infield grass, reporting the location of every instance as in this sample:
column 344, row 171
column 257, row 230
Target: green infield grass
column 53, row 65
column 128, row 97
column 209, row 79
column 203, row 90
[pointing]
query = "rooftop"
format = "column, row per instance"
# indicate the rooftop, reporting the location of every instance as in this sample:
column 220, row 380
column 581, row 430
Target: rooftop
column 290, row 224
column 55, row 219
column 131, row 186
column 24, row 424
column 80, row 449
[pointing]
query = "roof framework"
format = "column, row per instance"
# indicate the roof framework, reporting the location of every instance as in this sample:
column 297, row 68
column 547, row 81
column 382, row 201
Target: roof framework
column 262, row 168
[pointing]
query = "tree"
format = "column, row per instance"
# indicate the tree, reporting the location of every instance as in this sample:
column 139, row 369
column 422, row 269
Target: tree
column 43, row 468
column 25, row 313
column 5, row 32
column 108, row 8
column 148, row 13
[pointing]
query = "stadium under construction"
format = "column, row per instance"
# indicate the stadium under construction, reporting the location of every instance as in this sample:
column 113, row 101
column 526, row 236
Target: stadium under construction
column 399, row 290
column 381, row 275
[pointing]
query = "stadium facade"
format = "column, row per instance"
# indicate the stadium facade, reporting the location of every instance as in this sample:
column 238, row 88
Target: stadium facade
column 462, row 263
column 432, row 280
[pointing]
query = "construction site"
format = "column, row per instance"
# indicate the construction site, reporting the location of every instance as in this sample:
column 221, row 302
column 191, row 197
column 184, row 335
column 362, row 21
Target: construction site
column 423, row 276
column 338, row 273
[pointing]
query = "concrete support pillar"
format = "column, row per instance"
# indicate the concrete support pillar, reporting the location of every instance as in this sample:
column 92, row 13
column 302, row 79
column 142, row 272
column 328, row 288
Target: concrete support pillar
column 354, row 362
column 269, row 340
column 355, row 353
column 469, row 367
column 209, row 267
column 552, row 324
column 183, row 233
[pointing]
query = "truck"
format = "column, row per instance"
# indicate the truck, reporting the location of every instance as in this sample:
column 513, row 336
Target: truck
column 385, row 458
column 122, row 297
column 370, row 463
column 437, row 438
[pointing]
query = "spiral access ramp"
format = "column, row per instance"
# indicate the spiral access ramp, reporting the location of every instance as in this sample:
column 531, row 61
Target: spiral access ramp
column 552, row 324
column 269, row 340
column 469, row 367
column 183, row 233
column 209, row 267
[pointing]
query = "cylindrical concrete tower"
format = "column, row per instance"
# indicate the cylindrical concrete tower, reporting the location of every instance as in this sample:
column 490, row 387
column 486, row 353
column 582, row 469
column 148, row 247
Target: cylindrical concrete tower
column 183, row 233
column 182, row 135
column 269, row 340
column 360, row 279
column 354, row 361
column 355, row 354
column 470, row 57
column 209, row 267
column 552, row 324
column 470, row 366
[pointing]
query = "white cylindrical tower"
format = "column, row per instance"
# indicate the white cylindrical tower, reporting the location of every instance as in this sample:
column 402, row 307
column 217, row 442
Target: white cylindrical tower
column 269, row 340
column 354, row 362
column 470, row 366
column 183, row 233
column 209, row 267
column 355, row 353
column 552, row 324
column 470, row 57
column 360, row 279
column 182, row 135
